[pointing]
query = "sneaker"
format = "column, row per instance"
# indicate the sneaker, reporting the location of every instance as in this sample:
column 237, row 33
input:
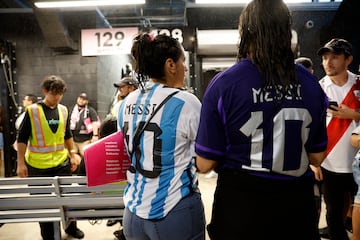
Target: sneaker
column 110, row 222
column 211, row 174
column 119, row 234
column 348, row 224
column 324, row 232
column 77, row 233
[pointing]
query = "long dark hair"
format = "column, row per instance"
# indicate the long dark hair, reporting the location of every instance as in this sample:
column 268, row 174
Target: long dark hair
column 265, row 32
column 150, row 54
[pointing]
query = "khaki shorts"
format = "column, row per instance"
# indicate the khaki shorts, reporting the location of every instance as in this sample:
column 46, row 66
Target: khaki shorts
column 79, row 147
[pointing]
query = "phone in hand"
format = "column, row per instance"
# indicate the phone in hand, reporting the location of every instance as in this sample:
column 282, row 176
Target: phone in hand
column 333, row 103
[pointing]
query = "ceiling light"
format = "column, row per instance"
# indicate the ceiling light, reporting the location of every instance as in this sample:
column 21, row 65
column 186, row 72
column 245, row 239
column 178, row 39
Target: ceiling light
column 242, row 1
column 88, row 3
column 222, row 2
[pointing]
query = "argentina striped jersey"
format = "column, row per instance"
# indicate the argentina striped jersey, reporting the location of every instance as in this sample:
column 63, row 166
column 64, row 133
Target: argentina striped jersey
column 163, row 165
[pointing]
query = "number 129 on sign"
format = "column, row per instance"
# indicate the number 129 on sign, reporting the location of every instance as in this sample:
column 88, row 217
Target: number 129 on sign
column 107, row 41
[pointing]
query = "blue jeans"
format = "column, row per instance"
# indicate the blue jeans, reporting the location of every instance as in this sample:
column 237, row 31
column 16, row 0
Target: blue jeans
column 186, row 221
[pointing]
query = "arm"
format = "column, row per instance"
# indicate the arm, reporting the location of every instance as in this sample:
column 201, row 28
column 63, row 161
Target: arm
column 21, row 170
column 22, row 140
column 344, row 112
column 74, row 160
column 95, row 131
column 205, row 165
column 69, row 144
column 316, row 158
column 94, row 122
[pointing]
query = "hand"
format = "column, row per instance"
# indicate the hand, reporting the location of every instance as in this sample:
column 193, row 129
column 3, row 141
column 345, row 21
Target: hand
column 94, row 138
column 317, row 172
column 75, row 162
column 343, row 112
column 22, row 170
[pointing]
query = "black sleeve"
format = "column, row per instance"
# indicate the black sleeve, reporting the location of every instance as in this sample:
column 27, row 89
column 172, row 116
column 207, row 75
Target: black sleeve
column 25, row 129
column 68, row 133
column 92, row 114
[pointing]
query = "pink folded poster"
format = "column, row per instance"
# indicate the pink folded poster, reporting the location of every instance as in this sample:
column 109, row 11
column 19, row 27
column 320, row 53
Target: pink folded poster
column 106, row 160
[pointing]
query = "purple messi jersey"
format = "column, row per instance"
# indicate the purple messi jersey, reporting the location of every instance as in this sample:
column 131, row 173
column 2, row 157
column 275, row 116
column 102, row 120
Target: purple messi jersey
column 244, row 128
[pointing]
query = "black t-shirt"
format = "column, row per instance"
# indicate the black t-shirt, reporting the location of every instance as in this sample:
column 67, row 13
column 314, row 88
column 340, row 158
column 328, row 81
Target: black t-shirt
column 52, row 117
column 80, row 133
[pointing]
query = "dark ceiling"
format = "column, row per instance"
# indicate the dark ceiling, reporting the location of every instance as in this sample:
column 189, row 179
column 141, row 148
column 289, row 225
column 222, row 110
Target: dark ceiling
column 60, row 25
column 154, row 13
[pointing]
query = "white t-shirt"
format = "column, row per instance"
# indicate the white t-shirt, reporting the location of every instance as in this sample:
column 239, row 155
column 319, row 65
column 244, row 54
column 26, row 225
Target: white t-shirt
column 341, row 156
column 19, row 120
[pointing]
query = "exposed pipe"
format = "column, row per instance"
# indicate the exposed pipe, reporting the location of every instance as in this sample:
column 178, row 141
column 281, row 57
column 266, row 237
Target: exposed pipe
column 101, row 15
column 5, row 61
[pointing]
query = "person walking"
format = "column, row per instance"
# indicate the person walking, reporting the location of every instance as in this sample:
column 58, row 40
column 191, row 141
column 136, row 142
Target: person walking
column 84, row 124
column 342, row 88
column 262, row 124
column 159, row 124
column 45, row 144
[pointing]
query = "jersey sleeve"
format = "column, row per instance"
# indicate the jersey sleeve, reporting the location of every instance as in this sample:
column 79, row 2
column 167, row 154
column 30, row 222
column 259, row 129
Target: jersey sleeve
column 318, row 139
column 68, row 133
column 192, row 117
column 210, row 140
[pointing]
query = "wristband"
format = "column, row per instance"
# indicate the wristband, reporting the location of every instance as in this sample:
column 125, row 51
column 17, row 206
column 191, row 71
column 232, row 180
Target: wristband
column 95, row 135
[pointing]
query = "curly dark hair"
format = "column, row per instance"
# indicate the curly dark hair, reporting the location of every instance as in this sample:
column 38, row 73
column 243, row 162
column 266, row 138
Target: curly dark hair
column 53, row 83
column 265, row 31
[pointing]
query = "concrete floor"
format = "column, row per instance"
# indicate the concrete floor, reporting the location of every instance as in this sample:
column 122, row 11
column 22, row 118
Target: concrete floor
column 99, row 230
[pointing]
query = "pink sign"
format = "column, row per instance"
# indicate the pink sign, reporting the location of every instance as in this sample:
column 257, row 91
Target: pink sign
column 107, row 41
column 106, row 160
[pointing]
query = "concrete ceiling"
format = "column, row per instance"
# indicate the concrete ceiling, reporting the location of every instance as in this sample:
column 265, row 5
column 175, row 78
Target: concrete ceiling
column 60, row 25
column 153, row 13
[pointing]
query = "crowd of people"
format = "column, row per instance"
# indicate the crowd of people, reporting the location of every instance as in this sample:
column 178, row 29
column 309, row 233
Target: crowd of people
column 279, row 139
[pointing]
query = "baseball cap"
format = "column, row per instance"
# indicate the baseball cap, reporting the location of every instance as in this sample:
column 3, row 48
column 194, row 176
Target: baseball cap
column 126, row 81
column 84, row 96
column 305, row 61
column 336, row 45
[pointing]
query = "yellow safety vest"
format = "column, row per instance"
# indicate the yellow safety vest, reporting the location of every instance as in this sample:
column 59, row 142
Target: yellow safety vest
column 46, row 149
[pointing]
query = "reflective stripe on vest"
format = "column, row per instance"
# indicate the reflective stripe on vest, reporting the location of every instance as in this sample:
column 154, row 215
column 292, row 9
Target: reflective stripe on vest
column 40, row 146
